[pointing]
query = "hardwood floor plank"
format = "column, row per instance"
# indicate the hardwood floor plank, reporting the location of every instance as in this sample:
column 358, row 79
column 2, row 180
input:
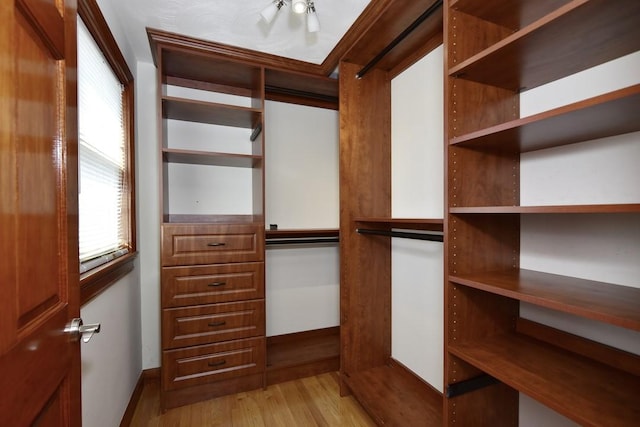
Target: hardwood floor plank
column 313, row 401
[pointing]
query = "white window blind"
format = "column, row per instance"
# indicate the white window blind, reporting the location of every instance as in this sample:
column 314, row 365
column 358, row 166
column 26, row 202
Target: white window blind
column 102, row 194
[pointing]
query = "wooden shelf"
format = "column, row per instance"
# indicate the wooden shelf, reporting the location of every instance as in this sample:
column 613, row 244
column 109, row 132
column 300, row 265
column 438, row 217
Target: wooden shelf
column 393, row 396
column 302, row 354
column 210, row 112
column 428, row 224
column 211, row 219
column 577, row 36
column 604, row 302
column 588, row 392
column 172, row 155
column 602, row 116
column 513, row 14
column 561, row 209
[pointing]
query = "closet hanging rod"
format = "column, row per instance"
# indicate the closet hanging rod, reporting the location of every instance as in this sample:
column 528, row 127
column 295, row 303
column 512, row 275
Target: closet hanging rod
column 432, row 237
column 398, row 39
column 301, row 241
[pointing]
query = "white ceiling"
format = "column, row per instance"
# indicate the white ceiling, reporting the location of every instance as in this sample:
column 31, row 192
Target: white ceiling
column 238, row 23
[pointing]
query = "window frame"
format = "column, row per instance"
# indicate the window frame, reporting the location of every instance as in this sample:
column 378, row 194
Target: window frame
column 100, row 278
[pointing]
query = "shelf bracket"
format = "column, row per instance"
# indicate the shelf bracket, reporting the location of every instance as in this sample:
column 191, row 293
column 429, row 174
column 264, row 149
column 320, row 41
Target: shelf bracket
column 467, row 386
column 256, row 132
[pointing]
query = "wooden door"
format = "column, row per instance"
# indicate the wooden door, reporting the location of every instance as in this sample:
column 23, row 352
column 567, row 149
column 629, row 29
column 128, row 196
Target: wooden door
column 39, row 363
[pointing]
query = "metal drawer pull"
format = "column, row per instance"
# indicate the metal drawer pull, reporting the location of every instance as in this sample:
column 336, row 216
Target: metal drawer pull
column 217, row 284
column 218, row 323
column 220, row 363
column 216, row 244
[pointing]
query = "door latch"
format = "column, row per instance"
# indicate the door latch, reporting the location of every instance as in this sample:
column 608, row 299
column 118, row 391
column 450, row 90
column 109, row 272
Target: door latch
column 79, row 331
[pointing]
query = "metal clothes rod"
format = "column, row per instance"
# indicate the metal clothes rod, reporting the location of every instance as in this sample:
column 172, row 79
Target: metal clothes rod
column 398, row 39
column 432, row 237
column 301, row 241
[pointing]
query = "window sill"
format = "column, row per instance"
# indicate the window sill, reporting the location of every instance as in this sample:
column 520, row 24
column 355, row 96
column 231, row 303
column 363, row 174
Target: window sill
column 96, row 281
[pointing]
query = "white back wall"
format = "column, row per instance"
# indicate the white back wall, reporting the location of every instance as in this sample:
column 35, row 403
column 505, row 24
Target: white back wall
column 302, row 191
column 417, row 160
column 589, row 246
column 302, row 181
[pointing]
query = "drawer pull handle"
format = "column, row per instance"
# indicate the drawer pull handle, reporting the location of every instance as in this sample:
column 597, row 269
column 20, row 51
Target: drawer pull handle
column 220, row 363
column 214, row 245
column 218, row 323
column 214, row 284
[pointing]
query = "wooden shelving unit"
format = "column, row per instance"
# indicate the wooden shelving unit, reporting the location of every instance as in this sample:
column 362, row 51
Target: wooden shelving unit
column 390, row 393
column 302, row 354
column 306, row 353
column 394, row 397
column 496, row 50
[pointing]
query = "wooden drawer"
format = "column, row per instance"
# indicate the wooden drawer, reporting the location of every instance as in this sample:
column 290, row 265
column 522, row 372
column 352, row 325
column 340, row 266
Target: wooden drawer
column 190, row 244
column 208, row 363
column 204, row 324
column 183, row 286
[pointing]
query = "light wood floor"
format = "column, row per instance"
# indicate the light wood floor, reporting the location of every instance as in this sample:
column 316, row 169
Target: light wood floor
column 313, row 401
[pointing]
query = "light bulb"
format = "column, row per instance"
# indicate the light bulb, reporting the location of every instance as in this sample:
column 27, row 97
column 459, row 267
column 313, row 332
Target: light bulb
column 269, row 12
column 299, row 6
column 313, row 23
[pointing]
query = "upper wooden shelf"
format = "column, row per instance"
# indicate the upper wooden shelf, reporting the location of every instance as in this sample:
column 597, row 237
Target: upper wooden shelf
column 212, row 219
column 557, row 209
column 513, row 14
column 199, row 66
column 192, row 157
column 604, row 302
column 590, row 393
column 430, row 224
column 210, row 112
column 602, row 116
column 575, row 37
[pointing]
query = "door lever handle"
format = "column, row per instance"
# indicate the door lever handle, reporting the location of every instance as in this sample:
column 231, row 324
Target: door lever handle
column 79, row 331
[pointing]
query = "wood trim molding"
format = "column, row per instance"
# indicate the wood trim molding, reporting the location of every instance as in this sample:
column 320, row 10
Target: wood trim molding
column 147, row 376
column 99, row 279
column 357, row 30
column 92, row 17
column 182, row 42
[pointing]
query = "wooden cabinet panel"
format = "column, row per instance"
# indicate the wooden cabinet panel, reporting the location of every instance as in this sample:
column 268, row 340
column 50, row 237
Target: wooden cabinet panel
column 182, row 286
column 211, row 323
column 209, row 363
column 187, row 244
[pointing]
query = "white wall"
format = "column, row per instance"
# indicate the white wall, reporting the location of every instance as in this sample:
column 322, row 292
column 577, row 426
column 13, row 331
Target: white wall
column 596, row 247
column 417, row 267
column 111, row 361
column 302, row 191
column 148, row 179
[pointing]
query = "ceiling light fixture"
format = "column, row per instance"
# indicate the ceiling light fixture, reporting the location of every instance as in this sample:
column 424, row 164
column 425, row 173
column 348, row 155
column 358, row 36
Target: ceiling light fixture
column 297, row 6
column 269, row 12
